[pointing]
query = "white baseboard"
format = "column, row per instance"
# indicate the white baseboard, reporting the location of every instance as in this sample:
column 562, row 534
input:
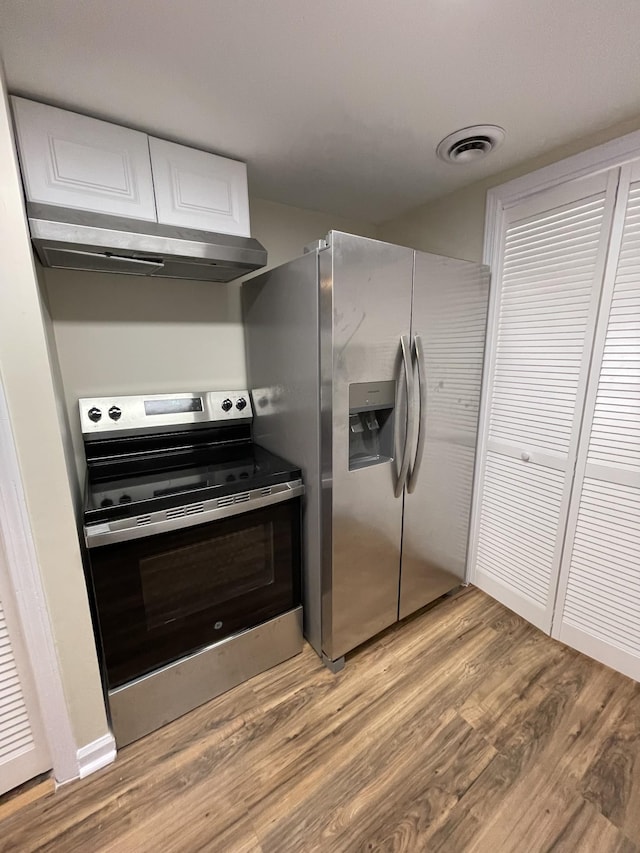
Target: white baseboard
column 96, row 755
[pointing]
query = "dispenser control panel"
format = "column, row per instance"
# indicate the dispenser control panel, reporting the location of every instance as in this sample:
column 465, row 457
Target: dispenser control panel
column 371, row 423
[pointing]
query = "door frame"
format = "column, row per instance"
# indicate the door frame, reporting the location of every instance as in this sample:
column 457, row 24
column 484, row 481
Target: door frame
column 29, row 597
column 603, row 157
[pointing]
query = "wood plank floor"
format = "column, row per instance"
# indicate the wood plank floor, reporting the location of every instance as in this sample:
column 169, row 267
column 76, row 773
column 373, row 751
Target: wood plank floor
column 464, row 729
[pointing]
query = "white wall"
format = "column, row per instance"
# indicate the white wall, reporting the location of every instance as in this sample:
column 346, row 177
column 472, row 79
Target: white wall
column 31, row 400
column 61, row 404
column 124, row 334
column 454, row 224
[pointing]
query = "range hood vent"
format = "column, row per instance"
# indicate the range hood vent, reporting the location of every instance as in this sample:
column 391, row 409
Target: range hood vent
column 78, row 239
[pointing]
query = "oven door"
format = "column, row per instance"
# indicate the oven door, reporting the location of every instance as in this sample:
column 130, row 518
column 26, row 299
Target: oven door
column 164, row 596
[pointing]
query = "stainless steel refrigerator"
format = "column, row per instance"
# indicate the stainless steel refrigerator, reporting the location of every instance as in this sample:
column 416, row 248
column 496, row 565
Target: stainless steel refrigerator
column 365, row 364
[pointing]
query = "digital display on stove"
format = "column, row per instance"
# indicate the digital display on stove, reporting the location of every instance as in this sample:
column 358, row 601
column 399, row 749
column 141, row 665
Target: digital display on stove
column 173, row 407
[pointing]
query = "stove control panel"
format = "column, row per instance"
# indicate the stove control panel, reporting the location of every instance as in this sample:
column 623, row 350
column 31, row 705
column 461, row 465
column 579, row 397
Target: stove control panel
column 156, row 412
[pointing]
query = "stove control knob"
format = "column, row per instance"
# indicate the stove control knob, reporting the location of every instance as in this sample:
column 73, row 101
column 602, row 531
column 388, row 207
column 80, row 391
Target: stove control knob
column 226, row 405
column 115, row 413
column 241, row 404
column 94, row 414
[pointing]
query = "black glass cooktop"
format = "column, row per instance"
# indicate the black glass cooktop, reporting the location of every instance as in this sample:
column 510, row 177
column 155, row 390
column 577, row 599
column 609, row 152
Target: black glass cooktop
column 247, row 467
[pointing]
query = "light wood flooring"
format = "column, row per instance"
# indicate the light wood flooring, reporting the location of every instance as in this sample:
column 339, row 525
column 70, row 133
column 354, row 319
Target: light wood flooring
column 464, row 729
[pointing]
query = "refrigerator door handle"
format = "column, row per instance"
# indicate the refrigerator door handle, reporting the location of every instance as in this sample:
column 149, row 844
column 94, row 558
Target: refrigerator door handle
column 408, row 437
column 418, row 352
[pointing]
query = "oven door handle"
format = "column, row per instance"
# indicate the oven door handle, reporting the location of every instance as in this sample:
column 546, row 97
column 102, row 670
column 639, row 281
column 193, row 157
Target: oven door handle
column 138, row 527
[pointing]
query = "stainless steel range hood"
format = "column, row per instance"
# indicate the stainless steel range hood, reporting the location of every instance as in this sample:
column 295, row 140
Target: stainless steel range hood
column 81, row 240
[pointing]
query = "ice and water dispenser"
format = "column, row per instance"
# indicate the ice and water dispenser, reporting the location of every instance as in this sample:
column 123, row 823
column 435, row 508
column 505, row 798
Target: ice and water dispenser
column 371, row 423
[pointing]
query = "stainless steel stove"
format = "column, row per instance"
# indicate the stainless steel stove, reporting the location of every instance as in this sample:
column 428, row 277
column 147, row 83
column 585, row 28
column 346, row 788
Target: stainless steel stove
column 193, row 536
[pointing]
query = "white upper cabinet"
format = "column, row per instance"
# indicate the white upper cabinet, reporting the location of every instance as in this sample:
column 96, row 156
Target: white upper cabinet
column 76, row 161
column 199, row 190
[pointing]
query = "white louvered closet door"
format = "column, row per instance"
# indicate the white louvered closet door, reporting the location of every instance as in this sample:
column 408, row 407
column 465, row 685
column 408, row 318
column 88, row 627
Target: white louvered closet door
column 548, row 273
column 23, row 750
column 598, row 608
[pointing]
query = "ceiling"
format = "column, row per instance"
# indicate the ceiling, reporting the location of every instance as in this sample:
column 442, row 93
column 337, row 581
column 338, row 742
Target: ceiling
column 335, row 105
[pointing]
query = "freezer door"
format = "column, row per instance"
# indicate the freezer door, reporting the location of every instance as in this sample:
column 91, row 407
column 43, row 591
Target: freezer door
column 365, row 308
column 450, row 299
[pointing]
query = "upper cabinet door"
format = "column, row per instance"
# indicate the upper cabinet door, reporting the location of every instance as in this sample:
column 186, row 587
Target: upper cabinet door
column 199, row 190
column 76, row 161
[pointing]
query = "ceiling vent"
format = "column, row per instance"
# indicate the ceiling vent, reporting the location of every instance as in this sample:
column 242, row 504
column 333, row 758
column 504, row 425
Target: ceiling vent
column 470, row 143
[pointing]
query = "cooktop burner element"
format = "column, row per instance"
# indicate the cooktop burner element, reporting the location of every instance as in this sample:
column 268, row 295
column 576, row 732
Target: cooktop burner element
column 146, row 454
column 128, row 496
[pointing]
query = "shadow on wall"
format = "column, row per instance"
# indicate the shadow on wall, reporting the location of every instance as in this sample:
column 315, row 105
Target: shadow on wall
column 77, row 296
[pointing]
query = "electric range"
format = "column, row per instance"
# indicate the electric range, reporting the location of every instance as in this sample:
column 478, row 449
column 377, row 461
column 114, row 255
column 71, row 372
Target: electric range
column 193, row 538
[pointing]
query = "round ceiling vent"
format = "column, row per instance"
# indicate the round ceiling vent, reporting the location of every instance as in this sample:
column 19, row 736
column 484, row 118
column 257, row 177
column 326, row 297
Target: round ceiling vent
column 470, row 143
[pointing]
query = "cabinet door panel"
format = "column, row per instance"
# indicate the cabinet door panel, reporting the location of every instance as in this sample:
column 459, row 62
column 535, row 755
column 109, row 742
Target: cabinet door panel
column 598, row 609
column 76, row 161
column 547, row 282
column 199, row 190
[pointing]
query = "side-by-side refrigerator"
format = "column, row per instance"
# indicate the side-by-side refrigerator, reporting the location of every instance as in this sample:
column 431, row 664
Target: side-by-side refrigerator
column 365, row 363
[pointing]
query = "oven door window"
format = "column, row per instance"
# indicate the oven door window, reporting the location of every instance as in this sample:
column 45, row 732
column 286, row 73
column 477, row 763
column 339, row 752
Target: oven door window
column 161, row 597
column 180, row 582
